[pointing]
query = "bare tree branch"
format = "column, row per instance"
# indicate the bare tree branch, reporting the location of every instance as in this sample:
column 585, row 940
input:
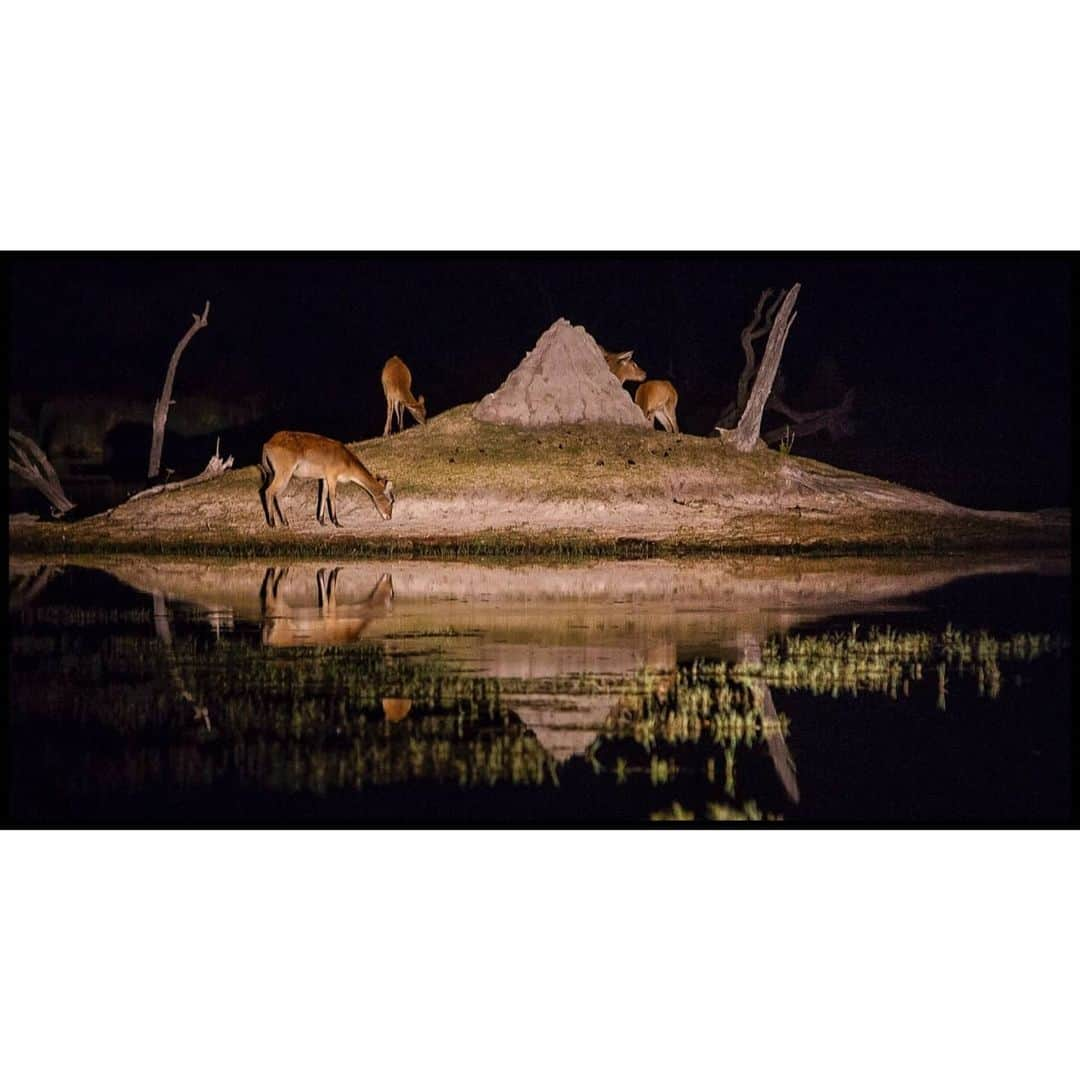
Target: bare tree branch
column 759, row 325
column 750, row 333
column 161, row 406
column 28, row 460
column 777, row 404
column 214, row 467
column 770, row 315
column 746, row 434
column 836, row 420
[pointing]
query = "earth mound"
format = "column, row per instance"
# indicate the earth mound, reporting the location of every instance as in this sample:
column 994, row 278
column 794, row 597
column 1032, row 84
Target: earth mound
column 563, row 380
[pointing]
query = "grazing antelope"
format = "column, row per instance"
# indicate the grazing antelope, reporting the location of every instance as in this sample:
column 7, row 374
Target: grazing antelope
column 330, row 623
column 622, row 366
column 657, row 399
column 397, row 386
column 314, row 457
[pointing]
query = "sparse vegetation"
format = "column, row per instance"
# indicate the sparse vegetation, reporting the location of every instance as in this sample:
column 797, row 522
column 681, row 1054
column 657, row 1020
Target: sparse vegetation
column 466, row 488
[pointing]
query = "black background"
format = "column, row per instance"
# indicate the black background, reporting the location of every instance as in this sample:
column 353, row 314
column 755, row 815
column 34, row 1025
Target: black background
column 960, row 363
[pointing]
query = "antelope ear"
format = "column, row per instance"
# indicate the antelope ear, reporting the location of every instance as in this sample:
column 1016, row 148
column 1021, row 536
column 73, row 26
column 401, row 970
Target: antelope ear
column 628, row 355
column 388, row 487
column 421, row 399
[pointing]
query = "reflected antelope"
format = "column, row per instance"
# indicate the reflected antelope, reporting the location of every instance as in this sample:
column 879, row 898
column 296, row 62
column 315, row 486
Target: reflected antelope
column 331, row 622
column 397, row 386
column 396, row 709
column 315, row 457
column 657, row 399
column 622, row 366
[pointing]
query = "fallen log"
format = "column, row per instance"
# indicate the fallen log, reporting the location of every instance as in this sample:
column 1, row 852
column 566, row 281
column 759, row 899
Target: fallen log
column 28, row 460
column 214, row 467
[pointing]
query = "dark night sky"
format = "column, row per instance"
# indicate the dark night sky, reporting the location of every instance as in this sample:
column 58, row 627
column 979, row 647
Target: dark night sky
column 961, row 364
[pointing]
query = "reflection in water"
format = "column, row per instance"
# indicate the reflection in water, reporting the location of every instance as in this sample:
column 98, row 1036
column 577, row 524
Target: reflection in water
column 648, row 695
column 26, row 585
column 286, row 623
column 396, row 708
column 164, row 632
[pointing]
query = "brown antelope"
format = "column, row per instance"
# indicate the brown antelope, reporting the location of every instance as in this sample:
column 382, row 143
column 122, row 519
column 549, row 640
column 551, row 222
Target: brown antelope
column 657, row 399
column 397, row 386
column 314, row 457
column 330, row 623
column 622, row 366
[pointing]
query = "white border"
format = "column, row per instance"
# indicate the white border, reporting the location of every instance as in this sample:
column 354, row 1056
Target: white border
column 564, row 126
column 539, row 954
column 824, row 126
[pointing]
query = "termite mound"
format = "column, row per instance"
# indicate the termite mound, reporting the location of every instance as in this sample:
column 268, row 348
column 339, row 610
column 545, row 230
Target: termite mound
column 564, row 379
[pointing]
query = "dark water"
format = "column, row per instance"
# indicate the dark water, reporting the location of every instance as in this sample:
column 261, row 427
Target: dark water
column 806, row 691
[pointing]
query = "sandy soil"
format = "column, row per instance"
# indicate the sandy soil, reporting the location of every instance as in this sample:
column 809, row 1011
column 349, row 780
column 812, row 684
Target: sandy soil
column 458, row 478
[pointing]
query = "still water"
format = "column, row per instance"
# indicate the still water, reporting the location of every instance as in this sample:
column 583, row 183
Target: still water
column 847, row 691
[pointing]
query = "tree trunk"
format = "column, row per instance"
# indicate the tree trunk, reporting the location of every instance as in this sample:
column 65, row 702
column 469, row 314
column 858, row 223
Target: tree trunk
column 161, row 406
column 760, row 324
column 745, row 436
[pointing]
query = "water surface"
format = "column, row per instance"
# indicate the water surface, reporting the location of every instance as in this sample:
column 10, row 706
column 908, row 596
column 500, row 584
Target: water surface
column 736, row 689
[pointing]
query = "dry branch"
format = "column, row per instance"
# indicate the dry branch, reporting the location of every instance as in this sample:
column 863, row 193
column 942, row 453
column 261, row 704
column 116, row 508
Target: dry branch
column 28, row 460
column 836, row 420
column 759, row 325
column 746, row 434
column 161, row 406
column 214, row 467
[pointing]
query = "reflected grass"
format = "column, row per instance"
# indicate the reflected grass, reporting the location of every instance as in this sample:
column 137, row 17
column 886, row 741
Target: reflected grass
column 884, row 660
column 102, row 703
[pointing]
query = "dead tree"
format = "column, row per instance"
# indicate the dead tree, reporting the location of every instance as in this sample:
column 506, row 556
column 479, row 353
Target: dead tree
column 28, row 460
column 161, row 406
column 745, row 436
column 836, row 419
column 756, row 328
column 214, row 467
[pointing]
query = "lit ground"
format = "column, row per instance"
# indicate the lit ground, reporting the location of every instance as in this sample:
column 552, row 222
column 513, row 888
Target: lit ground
column 468, row 487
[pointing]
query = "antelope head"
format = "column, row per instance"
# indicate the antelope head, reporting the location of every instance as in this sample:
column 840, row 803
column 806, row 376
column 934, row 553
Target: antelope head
column 622, row 366
column 387, row 486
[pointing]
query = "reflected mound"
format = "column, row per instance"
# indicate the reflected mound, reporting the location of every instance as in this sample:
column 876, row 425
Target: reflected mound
column 361, row 689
